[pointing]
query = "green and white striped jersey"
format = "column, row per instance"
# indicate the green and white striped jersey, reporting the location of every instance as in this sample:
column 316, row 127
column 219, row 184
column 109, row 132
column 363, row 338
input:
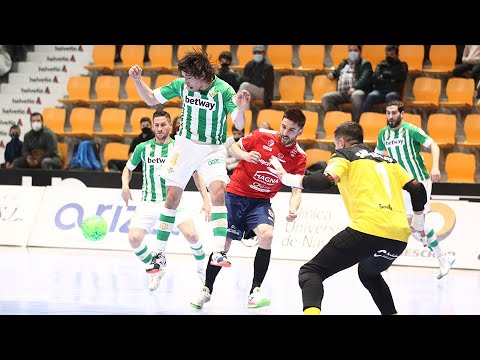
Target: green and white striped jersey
column 204, row 113
column 404, row 144
column 153, row 157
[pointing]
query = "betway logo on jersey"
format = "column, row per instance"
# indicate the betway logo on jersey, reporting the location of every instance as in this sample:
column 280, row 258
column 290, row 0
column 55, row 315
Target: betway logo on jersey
column 265, row 177
column 155, row 160
column 395, row 142
column 200, row 103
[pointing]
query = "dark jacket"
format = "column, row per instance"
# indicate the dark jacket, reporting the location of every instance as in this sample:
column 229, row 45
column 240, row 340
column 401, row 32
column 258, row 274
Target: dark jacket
column 230, row 77
column 44, row 139
column 261, row 75
column 139, row 139
column 364, row 72
column 390, row 77
column 13, row 150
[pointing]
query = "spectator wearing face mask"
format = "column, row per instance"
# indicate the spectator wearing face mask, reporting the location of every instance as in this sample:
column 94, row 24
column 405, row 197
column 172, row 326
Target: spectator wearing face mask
column 40, row 147
column 388, row 80
column 354, row 82
column 13, row 149
column 145, row 135
column 224, row 72
column 231, row 161
column 258, row 76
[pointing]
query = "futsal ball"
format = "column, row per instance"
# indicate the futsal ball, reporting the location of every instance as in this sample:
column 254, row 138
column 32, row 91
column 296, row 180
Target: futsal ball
column 94, row 228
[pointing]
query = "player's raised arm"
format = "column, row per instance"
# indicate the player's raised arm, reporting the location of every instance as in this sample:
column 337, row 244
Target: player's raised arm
column 135, row 72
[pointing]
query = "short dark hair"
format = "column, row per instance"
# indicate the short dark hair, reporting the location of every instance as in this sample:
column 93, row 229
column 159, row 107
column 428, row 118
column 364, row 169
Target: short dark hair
column 392, row 47
column 196, row 64
column 146, row 119
column 15, row 127
column 350, row 131
column 296, row 115
column 396, row 103
column 36, row 114
column 227, row 55
column 160, row 113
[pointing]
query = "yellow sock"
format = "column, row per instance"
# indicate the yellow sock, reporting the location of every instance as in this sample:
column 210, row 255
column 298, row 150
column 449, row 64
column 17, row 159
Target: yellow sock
column 311, row 311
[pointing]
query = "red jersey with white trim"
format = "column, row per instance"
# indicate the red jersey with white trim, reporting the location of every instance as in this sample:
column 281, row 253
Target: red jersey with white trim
column 255, row 180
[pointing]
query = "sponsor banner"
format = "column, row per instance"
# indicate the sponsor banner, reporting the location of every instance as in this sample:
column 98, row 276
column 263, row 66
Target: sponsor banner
column 63, row 57
column 64, row 48
column 52, row 68
column 39, row 79
column 57, row 90
column 43, row 100
column 63, row 210
column 18, row 211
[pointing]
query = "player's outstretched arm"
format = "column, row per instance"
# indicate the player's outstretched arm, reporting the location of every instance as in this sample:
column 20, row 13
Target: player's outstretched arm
column 135, row 72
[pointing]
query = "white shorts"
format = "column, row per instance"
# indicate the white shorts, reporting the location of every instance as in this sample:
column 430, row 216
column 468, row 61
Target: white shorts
column 147, row 214
column 188, row 156
column 408, row 201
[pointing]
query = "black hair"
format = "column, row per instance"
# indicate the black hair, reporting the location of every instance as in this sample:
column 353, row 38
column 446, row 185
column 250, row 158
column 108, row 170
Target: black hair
column 296, row 115
column 350, row 131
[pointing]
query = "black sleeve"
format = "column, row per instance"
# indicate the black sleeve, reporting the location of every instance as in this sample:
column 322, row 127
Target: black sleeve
column 133, row 145
column 317, row 182
column 417, row 193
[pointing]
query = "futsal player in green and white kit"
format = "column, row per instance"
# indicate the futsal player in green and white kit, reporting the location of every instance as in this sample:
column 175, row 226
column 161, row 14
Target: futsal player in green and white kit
column 152, row 154
column 403, row 142
column 207, row 100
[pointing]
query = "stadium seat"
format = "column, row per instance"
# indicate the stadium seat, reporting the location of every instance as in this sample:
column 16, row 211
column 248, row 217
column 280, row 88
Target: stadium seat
column 272, row 116
column 78, row 90
column 472, row 131
column 320, row 86
column 244, row 55
column 103, row 58
column 183, row 49
column 54, row 118
column 427, row 159
column 460, row 167
column 338, row 53
column 215, row 50
column 112, row 121
column 131, row 55
column 310, row 129
column 135, row 116
column 414, row 119
column 160, row 58
column 63, row 150
column 281, row 57
column 107, row 89
column 81, row 120
column 315, row 155
column 374, row 53
column 426, row 92
column 330, row 122
column 291, row 89
column 460, row 93
column 442, row 128
column 372, row 123
column 132, row 94
column 311, row 58
column 174, row 111
column 413, row 56
column 115, row 150
column 442, row 58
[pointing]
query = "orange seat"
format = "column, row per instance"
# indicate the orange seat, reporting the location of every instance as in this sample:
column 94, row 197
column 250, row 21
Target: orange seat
column 472, row 130
column 115, row 150
column 132, row 94
column 112, row 121
column 442, row 58
column 413, row 56
column 78, row 89
column 441, row 128
column 426, row 92
column 280, row 56
column 247, row 126
column 414, row 119
column 214, row 51
column 320, row 86
column 330, row 122
column 311, row 58
column 81, row 120
column 160, row 58
column 459, row 92
column 137, row 114
column 107, row 88
column 131, row 55
column 103, row 58
column 374, row 53
column 427, row 159
column 272, row 116
column 183, row 49
column 315, row 155
column 174, row 111
column 63, row 149
column 291, row 89
column 460, row 167
column 54, row 118
column 244, row 55
column 310, row 129
column 372, row 123
column 338, row 53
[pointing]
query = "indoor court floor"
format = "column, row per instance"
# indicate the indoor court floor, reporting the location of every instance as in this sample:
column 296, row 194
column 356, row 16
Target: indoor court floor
column 54, row 281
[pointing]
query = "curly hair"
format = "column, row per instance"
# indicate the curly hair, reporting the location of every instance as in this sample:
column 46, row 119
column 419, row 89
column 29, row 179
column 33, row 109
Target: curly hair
column 196, row 64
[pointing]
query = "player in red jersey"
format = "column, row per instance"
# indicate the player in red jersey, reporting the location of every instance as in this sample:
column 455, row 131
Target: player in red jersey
column 249, row 192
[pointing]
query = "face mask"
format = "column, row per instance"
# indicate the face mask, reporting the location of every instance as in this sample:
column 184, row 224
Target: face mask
column 146, row 131
column 353, row 56
column 14, row 136
column 225, row 67
column 36, row 126
column 391, row 60
column 258, row 58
